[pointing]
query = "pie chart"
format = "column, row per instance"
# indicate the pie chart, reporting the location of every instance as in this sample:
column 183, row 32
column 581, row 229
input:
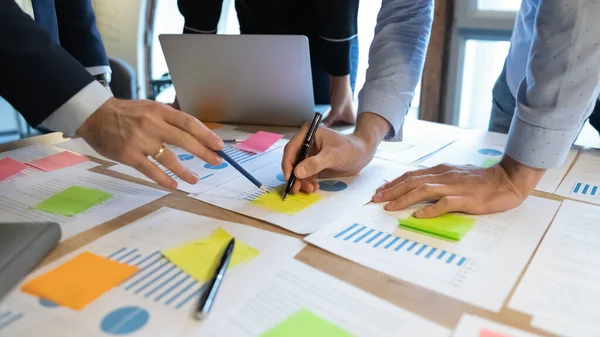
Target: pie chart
column 124, row 320
column 332, row 185
column 185, row 157
column 218, row 167
column 490, row 152
column 47, row 303
column 280, row 177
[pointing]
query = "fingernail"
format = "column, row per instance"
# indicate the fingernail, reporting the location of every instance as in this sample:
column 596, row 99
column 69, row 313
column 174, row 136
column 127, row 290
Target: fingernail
column 377, row 196
column 418, row 214
column 174, row 185
column 219, row 143
column 301, row 171
column 196, row 178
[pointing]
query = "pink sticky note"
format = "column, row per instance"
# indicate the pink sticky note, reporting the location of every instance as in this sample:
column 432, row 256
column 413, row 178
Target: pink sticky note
column 490, row 333
column 259, row 142
column 9, row 166
column 57, row 161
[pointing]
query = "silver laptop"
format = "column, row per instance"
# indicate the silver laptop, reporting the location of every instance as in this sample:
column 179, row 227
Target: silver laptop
column 242, row 79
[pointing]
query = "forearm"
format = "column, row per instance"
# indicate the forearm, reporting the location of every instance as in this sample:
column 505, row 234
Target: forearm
column 396, row 60
column 41, row 75
column 201, row 17
column 522, row 177
column 337, row 26
column 371, row 128
column 79, row 34
column 561, row 83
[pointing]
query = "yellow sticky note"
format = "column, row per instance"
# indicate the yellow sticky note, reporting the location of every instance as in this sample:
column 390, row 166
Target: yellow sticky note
column 305, row 323
column 81, row 280
column 199, row 258
column 449, row 226
column 293, row 204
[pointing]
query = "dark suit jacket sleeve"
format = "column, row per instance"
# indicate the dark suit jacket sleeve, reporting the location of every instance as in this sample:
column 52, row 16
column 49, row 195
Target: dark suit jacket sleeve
column 78, row 32
column 336, row 22
column 200, row 15
column 37, row 75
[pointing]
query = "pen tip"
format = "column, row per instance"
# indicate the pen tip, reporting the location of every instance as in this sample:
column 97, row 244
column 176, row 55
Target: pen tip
column 264, row 189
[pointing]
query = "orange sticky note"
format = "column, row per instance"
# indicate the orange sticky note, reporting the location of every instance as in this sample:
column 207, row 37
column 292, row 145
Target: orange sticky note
column 212, row 126
column 259, row 142
column 490, row 333
column 79, row 281
column 58, row 161
column 9, row 166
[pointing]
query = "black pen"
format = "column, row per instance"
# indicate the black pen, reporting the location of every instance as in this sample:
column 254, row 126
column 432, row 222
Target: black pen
column 208, row 296
column 304, row 149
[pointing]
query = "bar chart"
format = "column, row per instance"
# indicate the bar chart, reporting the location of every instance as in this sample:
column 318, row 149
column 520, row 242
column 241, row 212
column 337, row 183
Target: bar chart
column 364, row 236
column 8, row 317
column 581, row 188
column 158, row 279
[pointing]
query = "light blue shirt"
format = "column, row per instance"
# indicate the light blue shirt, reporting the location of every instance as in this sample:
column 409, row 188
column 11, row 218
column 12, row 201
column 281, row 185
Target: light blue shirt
column 553, row 69
column 396, row 60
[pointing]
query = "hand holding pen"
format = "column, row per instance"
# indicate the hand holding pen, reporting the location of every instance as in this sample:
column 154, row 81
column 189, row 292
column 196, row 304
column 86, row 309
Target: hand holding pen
column 303, row 151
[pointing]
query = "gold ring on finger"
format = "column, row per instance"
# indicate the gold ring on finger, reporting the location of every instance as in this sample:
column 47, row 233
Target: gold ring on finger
column 159, row 153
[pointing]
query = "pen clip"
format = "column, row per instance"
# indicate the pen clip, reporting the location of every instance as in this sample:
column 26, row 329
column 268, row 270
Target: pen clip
column 313, row 128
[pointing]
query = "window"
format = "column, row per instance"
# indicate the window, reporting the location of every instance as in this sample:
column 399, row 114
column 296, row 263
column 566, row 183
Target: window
column 498, row 5
column 479, row 44
column 482, row 65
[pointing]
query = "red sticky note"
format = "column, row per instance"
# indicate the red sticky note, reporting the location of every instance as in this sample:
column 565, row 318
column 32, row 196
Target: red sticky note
column 9, row 166
column 58, row 161
column 490, row 333
column 259, row 142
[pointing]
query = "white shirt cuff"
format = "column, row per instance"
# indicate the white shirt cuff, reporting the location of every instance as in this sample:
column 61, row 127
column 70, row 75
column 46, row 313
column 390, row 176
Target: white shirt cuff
column 69, row 116
column 99, row 70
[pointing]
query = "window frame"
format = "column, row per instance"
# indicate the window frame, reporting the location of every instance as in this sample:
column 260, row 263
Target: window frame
column 469, row 22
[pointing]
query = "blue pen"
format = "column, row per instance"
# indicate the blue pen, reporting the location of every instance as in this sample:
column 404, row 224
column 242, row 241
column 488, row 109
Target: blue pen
column 242, row 171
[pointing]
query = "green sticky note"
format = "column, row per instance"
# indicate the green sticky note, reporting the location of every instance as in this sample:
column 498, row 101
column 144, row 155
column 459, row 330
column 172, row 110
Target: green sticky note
column 303, row 324
column 489, row 162
column 449, row 226
column 73, row 200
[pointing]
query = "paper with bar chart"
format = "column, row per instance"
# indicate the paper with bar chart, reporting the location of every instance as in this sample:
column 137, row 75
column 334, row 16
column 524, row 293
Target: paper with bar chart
column 583, row 181
column 212, row 176
column 560, row 287
column 314, row 300
column 301, row 213
column 160, row 298
column 420, row 139
column 18, row 204
column 481, row 269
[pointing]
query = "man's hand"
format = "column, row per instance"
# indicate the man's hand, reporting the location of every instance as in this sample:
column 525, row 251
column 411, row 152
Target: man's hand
column 467, row 189
column 334, row 154
column 343, row 110
column 130, row 131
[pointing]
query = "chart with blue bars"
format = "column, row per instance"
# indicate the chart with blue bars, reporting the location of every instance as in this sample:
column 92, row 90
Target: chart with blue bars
column 8, row 317
column 241, row 156
column 157, row 280
column 585, row 189
column 376, row 239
